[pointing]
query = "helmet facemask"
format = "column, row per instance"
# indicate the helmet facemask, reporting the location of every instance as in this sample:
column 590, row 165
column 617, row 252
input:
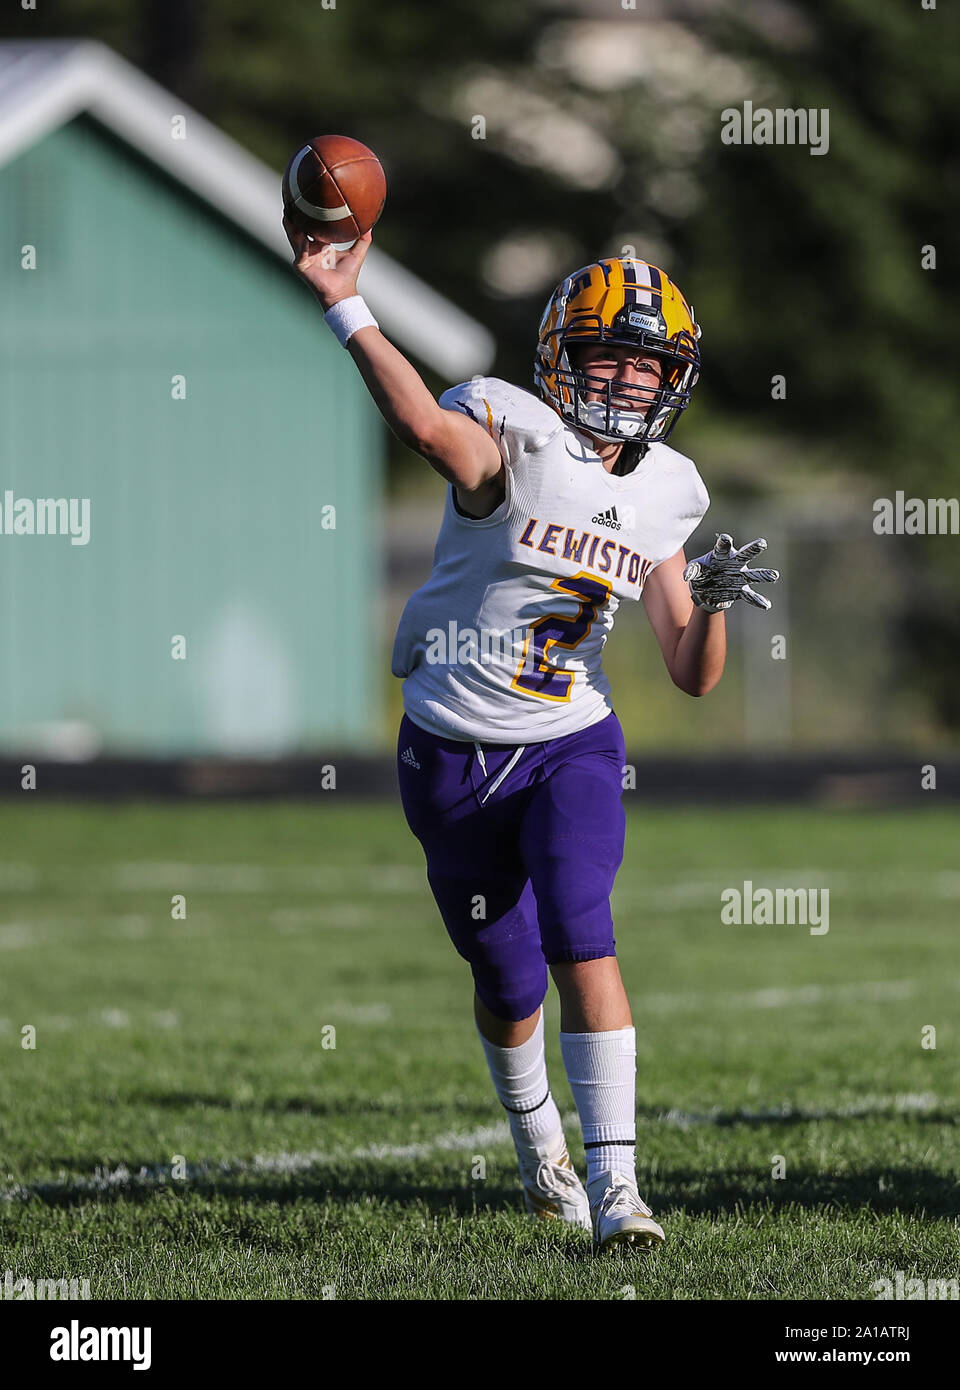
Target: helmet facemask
column 625, row 412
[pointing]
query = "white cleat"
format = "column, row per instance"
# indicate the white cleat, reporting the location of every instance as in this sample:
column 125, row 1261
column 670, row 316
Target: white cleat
column 620, row 1216
column 553, row 1192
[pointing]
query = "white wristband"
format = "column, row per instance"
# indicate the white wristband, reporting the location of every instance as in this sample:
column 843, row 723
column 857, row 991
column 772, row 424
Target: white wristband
column 347, row 315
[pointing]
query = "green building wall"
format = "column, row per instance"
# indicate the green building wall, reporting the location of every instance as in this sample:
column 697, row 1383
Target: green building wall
column 205, row 512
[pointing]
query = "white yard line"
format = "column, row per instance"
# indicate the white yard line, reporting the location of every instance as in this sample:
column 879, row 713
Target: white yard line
column 689, row 891
column 156, row 875
column 652, row 888
column 115, row 1017
column 261, row 878
column 876, row 991
column 123, row 1178
column 156, row 1175
column 910, row 1103
column 15, row 935
column 106, row 1018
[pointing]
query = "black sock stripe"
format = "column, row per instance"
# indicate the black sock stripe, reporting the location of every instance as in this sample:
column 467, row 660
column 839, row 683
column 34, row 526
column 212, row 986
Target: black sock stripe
column 608, row 1143
column 530, row 1109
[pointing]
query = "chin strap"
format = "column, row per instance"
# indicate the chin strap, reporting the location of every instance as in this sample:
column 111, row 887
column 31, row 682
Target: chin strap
column 629, row 456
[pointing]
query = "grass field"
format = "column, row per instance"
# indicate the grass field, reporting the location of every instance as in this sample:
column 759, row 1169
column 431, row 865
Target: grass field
column 314, row 1171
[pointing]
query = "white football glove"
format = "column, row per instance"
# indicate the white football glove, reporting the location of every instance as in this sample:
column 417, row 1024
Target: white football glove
column 717, row 580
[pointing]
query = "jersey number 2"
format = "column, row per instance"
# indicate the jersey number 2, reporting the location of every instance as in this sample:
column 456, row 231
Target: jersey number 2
column 535, row 673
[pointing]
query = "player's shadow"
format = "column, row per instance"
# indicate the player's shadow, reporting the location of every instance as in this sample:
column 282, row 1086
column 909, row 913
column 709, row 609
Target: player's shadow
column 911, row 1192
column 478, row 1109
column 726, row 1119
column 392, row 1178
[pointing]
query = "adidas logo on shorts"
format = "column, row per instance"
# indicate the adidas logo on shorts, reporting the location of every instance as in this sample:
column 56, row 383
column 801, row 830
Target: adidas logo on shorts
column 607, row 518
column 408, row 756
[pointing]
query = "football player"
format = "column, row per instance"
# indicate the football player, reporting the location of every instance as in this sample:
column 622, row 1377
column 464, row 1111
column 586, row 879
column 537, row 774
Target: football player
column 559, row 505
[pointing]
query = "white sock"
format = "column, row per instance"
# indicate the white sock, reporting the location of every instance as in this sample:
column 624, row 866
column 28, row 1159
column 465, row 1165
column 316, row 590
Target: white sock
column 520, row 1080
column 602, row 1071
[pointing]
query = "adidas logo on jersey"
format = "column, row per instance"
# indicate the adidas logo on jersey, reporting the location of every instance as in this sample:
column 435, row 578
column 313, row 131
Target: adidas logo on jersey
column 409, row 757
column 608, row 518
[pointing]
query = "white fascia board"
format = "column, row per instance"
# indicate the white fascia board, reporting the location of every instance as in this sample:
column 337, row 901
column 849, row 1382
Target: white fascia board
column 91, row 79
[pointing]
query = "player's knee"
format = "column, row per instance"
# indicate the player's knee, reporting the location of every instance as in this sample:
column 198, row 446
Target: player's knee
column 511, row 997
column 577, row 927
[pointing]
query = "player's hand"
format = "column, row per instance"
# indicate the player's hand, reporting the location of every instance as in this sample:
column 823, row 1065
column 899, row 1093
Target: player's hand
column 718, row 579
column 332, row 275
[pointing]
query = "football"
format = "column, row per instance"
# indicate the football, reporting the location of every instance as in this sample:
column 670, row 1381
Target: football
column 334, row 189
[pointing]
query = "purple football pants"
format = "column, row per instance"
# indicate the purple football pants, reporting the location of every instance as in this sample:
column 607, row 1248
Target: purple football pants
column 522, row 848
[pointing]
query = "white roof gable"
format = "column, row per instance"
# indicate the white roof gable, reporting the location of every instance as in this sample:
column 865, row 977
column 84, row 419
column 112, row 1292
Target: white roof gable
column 45, row 83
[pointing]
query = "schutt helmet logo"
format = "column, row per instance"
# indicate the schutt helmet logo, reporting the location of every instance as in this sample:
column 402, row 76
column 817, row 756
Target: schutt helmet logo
column 635, row 320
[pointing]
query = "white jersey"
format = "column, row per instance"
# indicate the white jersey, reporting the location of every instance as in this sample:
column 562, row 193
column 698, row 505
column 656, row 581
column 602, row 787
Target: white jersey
column 503, row 643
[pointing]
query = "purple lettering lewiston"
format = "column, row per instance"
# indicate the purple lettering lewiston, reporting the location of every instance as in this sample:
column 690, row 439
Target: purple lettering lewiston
column 575, row 552
column 611, row 557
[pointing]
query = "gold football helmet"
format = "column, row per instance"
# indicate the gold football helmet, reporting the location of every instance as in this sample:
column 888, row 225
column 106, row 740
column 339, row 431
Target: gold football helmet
column 628, row 303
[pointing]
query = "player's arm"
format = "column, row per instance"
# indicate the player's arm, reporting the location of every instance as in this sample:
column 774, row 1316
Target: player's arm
column 686, row 606
column 693, row 642
column 455, row 445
